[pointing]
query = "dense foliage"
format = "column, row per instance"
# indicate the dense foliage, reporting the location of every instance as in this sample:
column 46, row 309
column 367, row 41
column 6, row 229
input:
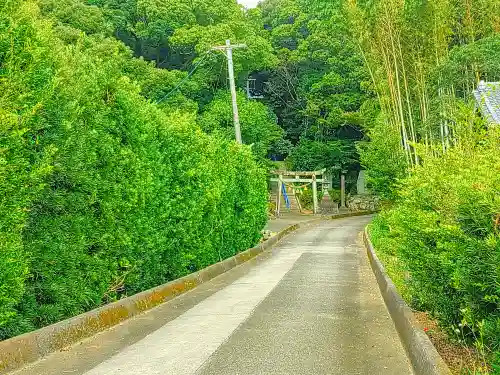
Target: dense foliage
column 444, row 231
column 319, row 83
column 433, row 159
column 118, row 169
column 308, row 70
column 104, row 194
column 258, row 124
column 424, row 59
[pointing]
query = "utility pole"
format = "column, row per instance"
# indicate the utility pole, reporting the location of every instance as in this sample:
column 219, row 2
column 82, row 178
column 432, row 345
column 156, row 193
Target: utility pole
column 228, row 51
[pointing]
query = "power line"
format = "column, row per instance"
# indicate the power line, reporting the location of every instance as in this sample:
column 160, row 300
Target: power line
column 185, row 78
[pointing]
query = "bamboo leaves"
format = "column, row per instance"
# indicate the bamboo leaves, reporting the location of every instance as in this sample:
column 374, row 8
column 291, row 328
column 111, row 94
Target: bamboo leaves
column 405, row 44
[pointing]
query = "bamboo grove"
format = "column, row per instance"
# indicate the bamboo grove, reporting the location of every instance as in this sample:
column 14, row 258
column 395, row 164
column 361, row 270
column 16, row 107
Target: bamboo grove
column 436, row 160
column 411, row 49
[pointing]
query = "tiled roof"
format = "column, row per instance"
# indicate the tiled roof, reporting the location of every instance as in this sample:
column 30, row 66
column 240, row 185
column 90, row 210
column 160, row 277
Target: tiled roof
column 487, row 96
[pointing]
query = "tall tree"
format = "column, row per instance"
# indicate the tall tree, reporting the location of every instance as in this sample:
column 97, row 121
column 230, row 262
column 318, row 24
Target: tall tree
column 318, row 87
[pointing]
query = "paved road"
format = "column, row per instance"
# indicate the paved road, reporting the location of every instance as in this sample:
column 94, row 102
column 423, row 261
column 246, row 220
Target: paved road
column 287, row 219
column 311, row 307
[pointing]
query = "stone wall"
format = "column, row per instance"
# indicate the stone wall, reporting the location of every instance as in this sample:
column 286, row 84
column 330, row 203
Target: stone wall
column 363, row 203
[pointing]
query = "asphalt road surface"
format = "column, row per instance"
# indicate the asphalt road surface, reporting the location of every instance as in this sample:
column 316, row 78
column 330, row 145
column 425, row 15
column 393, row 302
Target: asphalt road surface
column 309, row 307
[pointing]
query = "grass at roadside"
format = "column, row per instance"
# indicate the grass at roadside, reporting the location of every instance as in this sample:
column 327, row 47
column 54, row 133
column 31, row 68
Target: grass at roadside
column 462, row 359
column 393, row 265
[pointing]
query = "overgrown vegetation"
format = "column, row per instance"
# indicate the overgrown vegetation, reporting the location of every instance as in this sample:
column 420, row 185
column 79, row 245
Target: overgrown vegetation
column 118, row 169
column 441, row 241
column 434, row 160
column 104, row 194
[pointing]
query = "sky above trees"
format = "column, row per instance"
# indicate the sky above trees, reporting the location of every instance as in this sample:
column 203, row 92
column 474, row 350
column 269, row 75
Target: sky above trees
column 249, row 3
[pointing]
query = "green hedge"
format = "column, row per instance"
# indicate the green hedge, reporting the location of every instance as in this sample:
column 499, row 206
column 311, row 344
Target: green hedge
column 444, row 234
column 102, row 194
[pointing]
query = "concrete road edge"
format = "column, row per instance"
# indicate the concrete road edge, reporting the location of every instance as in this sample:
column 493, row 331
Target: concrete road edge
column 423, row 356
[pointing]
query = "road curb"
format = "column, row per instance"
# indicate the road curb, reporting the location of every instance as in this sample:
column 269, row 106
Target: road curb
column 423, row 356
column 22, row 350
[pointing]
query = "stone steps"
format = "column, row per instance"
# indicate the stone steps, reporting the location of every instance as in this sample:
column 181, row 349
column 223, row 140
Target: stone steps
column 294, row 205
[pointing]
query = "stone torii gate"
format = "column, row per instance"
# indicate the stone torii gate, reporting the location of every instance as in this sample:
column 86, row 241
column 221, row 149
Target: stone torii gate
column 288, row 177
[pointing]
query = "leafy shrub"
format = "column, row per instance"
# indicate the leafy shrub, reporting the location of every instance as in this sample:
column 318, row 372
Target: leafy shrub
column 21, row 177
column 335, row 195
column 103, row 194
column 258, row 124
column 306, row 198
column 384, row 160
column 444, row 231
